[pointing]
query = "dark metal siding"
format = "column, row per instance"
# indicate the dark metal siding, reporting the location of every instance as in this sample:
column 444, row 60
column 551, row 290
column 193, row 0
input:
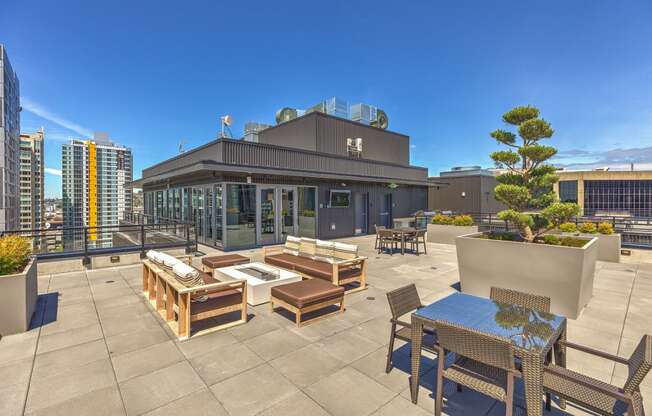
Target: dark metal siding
column 251, row 154
column 297, row 134
column 377, row 144
column 478, row 190
column 406, row 201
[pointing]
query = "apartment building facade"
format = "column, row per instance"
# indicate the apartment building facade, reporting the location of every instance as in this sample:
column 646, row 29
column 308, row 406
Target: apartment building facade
column 32, row 203
column 9, row 144
column 94, row 174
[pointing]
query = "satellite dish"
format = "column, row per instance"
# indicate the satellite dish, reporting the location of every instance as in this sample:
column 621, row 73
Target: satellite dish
column 227, row 119
column 285, row 114
column 381, row 120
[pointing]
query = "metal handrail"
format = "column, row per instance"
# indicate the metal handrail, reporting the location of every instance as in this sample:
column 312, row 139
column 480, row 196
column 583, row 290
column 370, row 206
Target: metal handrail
column 171, row 235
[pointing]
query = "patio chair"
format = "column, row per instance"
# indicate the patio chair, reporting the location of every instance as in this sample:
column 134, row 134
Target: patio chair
column 596, row 395
column 377, row 228
column 526, row 300
column 402, row 301
column 386, row 240
column 483, row 363
column 419, row 237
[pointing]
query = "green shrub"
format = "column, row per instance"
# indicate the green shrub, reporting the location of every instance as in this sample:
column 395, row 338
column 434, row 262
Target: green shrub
column 587, row 227
column 551, row 240
column 568, row 227
column 572, row 242
column 463, row 220
column 14, row 254
column 500, row 235
column 605, row 228
column 441, row 219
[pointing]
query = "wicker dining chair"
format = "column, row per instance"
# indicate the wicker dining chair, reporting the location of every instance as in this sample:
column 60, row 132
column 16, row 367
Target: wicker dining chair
column 483, row 363
column 386, row 240
column 416, row 239
column 527, row 300
column 596, row 395
column 402, row 301
column 377, row 228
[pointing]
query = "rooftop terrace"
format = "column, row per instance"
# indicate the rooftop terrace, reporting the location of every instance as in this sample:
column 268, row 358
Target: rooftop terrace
column 100, row 349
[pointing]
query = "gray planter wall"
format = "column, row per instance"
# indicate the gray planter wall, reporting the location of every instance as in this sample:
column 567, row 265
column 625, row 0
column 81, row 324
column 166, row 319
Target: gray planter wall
column 565, row 274
column 608, row 245
column 18, row 294
column 445, row 234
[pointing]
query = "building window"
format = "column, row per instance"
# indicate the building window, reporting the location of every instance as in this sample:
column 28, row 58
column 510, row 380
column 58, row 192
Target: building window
column 568, row 191
column 618, row 197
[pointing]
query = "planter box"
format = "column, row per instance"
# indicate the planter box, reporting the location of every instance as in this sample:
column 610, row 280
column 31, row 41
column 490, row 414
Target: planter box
column 446, row 234
column 18, row 294
column 608, row 245
column 565, row 274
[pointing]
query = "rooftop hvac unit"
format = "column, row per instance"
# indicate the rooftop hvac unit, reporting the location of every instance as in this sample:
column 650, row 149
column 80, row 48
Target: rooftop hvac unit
column 285, row 114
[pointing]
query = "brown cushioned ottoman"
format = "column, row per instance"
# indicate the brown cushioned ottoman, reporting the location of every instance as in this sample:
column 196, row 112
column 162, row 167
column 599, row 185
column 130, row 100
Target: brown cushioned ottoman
column 307, row 296
column 215, row 262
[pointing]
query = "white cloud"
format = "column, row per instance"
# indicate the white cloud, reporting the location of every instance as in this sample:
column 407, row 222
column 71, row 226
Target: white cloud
column 619, row 158
column 52, row 171
column 46, row 114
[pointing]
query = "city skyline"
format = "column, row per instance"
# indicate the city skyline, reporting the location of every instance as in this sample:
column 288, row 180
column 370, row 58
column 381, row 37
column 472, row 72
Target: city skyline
column 171, row 77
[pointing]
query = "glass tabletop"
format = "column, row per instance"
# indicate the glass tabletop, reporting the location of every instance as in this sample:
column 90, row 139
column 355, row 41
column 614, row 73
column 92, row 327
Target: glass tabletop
column 527, row 329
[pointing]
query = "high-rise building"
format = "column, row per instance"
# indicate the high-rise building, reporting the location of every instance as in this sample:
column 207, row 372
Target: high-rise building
column 32, row 203
column 9, row 144
column 94, row 194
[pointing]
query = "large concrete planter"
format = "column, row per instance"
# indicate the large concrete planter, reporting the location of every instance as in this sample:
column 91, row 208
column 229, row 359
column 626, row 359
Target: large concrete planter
column 446, row 234
column 608, row 245
column 18, row 294
column 565, row 274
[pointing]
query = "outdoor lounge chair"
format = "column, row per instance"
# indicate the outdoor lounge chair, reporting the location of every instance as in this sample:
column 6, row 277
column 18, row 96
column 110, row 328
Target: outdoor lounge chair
column 483, row 363
column 402, row 301
column 596, row 395
column 180, row 305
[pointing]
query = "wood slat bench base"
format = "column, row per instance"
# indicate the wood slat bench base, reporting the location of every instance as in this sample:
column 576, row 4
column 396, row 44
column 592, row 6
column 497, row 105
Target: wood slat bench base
column 298, row 312
column 173, row 302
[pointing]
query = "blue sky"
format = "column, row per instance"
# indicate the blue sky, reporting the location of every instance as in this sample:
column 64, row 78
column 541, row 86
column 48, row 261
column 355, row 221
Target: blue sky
column 152, row 73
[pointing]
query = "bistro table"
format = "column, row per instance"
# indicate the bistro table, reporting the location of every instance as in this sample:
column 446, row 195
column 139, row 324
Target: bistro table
column 533, row 334
column 402, row 232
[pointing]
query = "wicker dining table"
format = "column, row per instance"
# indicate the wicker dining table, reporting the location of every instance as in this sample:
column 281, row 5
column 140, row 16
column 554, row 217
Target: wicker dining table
column 402, row 232
column 534, row 335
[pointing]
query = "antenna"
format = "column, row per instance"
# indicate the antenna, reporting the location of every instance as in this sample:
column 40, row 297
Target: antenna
column 182, row 142
column 226, row 121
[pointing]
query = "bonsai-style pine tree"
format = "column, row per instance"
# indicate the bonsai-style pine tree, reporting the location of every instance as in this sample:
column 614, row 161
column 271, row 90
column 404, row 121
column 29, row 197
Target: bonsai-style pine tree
column 526, row 186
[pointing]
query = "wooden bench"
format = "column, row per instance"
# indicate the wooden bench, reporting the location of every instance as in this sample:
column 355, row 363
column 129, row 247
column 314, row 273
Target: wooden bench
column 173, row 301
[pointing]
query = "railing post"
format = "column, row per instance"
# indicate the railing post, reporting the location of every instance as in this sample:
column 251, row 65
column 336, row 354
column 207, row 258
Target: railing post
column 142, row 241
column 86, row 260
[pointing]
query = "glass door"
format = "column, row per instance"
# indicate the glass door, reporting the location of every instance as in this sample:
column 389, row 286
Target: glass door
column 288, row 213
column 268, row 222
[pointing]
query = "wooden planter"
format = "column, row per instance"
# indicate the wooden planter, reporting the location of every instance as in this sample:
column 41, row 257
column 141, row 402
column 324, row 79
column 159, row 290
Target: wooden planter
column 565, row 274
column 18, row 295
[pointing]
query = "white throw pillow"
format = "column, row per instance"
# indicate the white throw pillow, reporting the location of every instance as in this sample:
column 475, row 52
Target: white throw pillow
column 189, row 277
column 168, row 260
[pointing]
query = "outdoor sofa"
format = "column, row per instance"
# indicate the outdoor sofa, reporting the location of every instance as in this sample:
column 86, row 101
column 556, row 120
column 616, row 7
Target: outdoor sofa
column 334, row 262
column 184, row 295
